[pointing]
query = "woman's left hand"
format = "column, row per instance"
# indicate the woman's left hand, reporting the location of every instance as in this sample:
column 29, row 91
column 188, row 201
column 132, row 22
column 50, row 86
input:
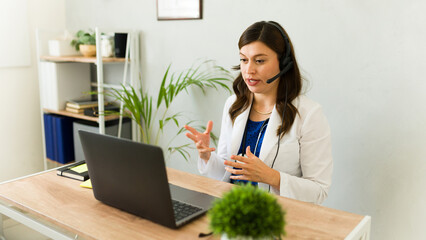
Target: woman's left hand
column 252, row 169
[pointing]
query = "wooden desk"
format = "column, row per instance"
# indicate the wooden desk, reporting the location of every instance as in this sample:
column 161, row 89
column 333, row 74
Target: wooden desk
column 63, row 203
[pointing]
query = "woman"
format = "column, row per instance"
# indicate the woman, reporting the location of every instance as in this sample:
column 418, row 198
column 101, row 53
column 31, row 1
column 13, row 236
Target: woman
column 271, row 135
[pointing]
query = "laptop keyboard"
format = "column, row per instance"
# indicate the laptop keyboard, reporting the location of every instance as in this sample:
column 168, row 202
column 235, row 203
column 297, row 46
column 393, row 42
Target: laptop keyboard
column 183, row 210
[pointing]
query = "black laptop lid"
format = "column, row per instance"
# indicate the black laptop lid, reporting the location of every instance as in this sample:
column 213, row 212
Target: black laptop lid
column 129, row 175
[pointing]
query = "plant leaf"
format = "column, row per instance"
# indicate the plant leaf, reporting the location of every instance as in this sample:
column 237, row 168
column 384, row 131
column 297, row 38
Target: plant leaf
column 162, row 92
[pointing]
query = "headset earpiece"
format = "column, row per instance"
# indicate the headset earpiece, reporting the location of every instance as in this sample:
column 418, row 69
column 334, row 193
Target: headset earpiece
column 286, row 62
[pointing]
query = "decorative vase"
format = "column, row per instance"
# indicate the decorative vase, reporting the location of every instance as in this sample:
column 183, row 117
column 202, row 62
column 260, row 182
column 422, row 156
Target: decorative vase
column 88, row 50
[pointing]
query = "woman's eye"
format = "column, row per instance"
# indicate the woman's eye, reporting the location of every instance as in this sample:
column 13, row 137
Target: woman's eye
column 243, row 60
column 260, row 61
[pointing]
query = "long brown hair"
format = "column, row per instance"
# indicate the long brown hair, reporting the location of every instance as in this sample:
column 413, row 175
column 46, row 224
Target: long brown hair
column 290, row 84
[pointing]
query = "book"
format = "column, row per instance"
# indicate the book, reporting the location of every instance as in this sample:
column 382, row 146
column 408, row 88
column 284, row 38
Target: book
column 63, row 139
column 82, row 104
column 48, row 136
column 74, row 110
column 76, row 171
column 54, row 138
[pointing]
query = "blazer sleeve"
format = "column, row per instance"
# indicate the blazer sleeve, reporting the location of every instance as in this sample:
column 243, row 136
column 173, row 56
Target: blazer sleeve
column 215, row 167
column 316, row 161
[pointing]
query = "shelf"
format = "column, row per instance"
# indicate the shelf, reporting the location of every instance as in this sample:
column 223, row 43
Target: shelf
column 79, row 116
column 80, row 59
column 75, row 76
column 54, row 164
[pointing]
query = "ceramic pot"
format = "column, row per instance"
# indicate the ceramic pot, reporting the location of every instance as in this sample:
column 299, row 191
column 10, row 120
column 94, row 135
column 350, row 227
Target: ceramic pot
column 88, row 50
column 225, row 237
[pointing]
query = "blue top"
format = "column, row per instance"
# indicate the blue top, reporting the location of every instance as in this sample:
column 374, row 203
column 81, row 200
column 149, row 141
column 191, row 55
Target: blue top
column 255, row 131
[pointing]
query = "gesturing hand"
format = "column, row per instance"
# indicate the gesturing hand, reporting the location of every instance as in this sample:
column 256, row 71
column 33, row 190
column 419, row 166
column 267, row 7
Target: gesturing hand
column 201, row 140
column 252, row 169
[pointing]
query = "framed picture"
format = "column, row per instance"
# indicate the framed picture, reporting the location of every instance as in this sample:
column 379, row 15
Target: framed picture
column 178, row 9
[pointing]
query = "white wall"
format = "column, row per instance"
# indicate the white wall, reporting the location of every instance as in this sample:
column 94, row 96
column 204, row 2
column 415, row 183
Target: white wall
column 20, row 138
column 364, row 61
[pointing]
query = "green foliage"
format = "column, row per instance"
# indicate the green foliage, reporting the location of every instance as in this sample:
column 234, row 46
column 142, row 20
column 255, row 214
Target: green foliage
column 140, row 107
column 247, row 211
column 85, row 38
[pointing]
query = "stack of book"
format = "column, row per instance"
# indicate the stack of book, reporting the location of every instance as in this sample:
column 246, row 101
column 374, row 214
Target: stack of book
column 78, row 106
column 59, row 138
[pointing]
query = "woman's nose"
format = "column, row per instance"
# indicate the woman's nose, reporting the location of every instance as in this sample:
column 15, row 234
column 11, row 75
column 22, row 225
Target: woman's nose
column 250, row 68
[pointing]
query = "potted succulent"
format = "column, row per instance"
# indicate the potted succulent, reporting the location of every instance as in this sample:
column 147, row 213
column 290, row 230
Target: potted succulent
column 85, row 42
column 247, row 212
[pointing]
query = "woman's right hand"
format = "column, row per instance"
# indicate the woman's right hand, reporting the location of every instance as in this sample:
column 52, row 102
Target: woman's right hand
column 201, row 140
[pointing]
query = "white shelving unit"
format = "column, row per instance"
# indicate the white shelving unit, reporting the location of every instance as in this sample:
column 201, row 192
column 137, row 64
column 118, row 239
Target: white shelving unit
column 73, row 68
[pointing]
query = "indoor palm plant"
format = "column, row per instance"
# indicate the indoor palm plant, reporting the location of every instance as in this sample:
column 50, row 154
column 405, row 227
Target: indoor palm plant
column 247, row 212
column 85, row 42
column 152, row 117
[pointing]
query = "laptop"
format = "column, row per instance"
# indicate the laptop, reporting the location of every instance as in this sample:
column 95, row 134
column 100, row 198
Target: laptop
column 131, row 176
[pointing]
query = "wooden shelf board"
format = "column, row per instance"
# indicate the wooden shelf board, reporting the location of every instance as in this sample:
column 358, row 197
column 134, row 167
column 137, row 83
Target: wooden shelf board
column 79, row 115
column 54, row 164
column 81, row 59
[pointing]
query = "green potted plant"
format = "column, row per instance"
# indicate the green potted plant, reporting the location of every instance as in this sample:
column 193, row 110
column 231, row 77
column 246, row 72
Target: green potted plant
column 247, row 212
column 152, row 118
column 85, row 42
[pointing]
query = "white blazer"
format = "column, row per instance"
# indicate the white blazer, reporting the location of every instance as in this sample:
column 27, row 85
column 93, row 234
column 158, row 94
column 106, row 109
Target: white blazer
column 304, row 159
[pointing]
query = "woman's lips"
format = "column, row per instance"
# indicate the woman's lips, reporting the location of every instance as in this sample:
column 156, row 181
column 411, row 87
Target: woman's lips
column 252, row 82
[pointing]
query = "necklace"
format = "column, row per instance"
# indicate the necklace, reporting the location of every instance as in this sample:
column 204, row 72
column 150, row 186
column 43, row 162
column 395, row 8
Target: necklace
column 263, row 113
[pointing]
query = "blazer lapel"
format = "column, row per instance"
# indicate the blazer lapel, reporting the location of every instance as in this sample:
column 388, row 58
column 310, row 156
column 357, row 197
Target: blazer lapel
column 270, row 139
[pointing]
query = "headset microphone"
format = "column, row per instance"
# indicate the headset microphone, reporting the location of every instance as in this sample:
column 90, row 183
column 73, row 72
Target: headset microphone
column 286, row 63
column 280, row 73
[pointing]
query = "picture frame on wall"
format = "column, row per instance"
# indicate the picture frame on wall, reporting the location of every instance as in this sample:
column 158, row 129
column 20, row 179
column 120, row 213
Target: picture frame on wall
column 179, row 9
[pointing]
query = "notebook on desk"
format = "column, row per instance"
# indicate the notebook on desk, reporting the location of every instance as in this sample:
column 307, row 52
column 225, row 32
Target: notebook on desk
column 132, row 176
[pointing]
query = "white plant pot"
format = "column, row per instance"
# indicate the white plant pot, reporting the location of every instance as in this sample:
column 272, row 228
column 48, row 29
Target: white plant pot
column 225, row 237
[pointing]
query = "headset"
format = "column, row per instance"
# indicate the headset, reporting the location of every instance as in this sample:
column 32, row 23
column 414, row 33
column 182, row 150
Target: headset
column 286, row 63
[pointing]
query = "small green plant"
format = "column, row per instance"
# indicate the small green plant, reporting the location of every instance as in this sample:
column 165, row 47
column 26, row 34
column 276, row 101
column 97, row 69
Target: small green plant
column 247, row 211
column 83, row 38
column 148, row 116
